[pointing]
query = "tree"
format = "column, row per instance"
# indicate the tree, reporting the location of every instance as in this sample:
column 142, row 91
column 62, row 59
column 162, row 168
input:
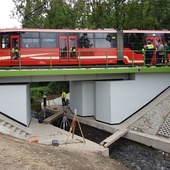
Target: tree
column 119, row 14
column 161, row 13
column 24, row 7
column 60, row 15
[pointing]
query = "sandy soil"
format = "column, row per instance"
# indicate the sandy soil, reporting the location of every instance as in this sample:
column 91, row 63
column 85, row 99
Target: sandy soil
column 22, row 155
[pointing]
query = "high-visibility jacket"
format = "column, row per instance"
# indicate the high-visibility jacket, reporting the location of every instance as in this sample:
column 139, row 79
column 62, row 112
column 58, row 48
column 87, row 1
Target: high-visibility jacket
column 63, row 95
column 150, row 49
column 14, row 50
column 72, row 49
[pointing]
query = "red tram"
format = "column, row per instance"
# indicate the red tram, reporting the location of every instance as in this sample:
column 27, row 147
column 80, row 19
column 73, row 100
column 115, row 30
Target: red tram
column 66, row 47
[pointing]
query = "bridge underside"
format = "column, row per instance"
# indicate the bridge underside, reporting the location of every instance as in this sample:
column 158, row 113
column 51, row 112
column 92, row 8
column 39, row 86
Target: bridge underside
column 113, row 101
column 108, row 98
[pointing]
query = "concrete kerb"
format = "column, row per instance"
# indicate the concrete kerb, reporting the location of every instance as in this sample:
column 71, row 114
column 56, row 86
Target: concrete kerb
column 156, row 142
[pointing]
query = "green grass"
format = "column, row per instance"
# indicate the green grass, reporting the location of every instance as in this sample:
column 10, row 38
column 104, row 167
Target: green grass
column 83, row 71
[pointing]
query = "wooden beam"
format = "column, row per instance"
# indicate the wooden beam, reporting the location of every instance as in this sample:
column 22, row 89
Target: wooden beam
column 53, row 117
column 108, row 141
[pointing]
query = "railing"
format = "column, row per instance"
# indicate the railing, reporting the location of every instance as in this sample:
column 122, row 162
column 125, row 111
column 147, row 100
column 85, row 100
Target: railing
column 105, row 59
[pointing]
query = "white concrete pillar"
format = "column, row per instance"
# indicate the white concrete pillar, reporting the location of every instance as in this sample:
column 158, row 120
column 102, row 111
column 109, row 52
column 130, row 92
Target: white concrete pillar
column 15, row 102
column 82, row 97
column 117, row 100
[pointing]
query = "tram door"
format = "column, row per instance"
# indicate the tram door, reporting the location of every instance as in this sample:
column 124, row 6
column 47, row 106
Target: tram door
column 68, row 48
column 14, row 47
column 154, row 40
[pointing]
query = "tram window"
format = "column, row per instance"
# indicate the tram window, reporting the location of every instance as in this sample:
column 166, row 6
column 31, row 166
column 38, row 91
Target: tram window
column 30, row 34
column 98, row 35
column 84, row 41
column 14, row 43
column 91, row 42
column 102, row 43
column 135, row 38
column 30, row 42
column 72, row 43
column 101, row 35
column 100, row 40
column 48, row 43
column 5, row 42
column 48, row 35
column 167, row 39
column 63, row 43
column 135, row 41
column 89, row 35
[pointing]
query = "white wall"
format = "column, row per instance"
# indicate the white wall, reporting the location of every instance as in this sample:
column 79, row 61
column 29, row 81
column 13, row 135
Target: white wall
column 15, row 102
column 82, row 97
column 88, row 98
column 103, row 98
column 114, row 101
column 127, row 96
column 76, row 96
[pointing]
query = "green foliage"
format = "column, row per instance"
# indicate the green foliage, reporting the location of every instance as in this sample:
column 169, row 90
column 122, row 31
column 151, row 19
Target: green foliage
column 56, row 87
column 52, row 88
column 37, row 92
column 60, row 15
column 119, row 14
column 36, row 106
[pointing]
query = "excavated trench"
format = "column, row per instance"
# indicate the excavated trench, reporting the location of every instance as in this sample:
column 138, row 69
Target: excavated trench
column 132, row 154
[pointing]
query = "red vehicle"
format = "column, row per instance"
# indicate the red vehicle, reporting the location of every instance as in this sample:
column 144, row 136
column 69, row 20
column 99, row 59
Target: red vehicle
column 67, row 47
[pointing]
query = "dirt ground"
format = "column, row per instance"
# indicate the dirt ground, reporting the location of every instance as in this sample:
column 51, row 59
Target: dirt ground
column 22, row 155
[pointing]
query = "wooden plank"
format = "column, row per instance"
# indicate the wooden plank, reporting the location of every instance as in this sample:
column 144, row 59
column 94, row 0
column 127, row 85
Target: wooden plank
column 52, row 118
column 108, row 141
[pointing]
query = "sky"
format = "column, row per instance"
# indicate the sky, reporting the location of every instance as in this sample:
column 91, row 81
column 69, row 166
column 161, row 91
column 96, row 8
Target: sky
column 5, row 20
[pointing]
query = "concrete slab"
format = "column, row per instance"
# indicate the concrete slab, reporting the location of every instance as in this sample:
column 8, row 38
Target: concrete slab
column 46, row 133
